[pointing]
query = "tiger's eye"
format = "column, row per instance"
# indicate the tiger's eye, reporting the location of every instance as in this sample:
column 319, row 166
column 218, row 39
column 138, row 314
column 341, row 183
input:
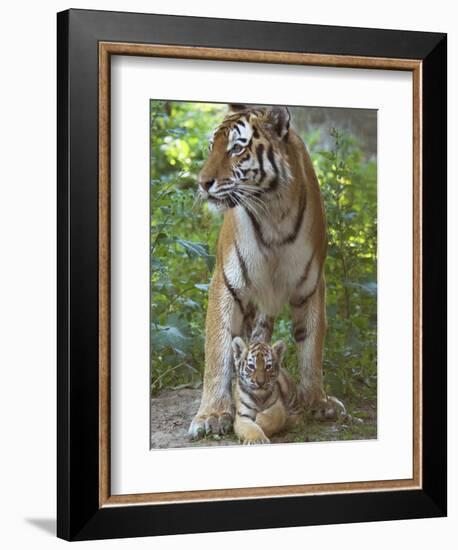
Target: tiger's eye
column 237, row 149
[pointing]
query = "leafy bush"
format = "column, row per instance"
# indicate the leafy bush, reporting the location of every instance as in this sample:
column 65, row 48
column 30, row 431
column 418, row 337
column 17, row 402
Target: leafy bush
column 183, row 241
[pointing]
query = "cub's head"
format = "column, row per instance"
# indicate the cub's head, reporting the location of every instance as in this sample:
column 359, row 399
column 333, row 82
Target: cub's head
column 246, row 160
column 258, row 364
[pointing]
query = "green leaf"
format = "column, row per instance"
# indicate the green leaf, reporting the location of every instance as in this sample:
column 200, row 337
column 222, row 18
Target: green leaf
column 195, row 249
column 156, row 264
column 202, row 286
column 170, row 337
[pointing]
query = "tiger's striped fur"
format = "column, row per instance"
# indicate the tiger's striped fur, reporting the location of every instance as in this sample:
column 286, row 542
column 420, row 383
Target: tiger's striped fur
column 271, row 252
column 265, row 396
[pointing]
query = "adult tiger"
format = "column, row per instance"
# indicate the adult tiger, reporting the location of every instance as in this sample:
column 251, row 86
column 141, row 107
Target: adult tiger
column 271, row 251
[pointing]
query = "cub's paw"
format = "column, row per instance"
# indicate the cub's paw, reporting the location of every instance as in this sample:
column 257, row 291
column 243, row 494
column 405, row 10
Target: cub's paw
column 212, row 423
column 251, row 435
column 328, row 408
column 260, row 441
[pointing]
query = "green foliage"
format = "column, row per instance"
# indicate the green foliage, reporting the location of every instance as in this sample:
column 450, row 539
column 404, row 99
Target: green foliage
column 349, row 188
column 183, row 240
column 183, row 243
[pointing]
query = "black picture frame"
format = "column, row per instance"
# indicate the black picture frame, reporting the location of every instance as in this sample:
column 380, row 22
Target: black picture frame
column 79, row 515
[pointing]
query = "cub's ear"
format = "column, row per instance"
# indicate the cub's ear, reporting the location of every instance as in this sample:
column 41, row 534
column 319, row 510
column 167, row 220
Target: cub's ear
column 280, row 119
column 238, row 348
column 236, row 107
column 278, row 351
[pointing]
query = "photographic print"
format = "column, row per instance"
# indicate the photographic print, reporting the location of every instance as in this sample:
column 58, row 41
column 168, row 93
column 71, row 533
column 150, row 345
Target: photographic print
column 263, row 274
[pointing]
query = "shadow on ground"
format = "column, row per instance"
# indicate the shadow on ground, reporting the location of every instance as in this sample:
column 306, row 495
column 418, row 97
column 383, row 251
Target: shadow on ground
column 173, row 410
column 48, row 525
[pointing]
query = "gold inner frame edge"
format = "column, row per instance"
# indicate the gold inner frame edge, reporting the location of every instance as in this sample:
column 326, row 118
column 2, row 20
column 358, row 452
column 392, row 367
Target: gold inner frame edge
column 106, row 50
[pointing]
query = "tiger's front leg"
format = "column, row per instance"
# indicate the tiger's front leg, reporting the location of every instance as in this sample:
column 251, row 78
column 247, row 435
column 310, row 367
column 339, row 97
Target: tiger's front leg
column 224, row 320
column 309, row 330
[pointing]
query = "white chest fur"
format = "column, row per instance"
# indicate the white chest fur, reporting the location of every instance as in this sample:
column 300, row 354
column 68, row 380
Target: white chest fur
column 273, row 272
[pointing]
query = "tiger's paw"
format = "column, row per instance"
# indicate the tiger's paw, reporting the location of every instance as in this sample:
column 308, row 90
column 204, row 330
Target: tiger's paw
column 208, row 424
column 328, row 408
column 251, row 434
column 259, row 441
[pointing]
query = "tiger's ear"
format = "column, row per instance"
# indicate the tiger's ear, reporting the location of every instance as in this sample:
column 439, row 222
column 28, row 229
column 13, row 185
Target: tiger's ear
column 238, row 348
column 280, row 119
column 278, row 351
column 236, row 107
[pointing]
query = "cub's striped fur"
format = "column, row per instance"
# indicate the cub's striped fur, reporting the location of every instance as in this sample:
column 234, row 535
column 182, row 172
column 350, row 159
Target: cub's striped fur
column 265, row 396
column 271, row 252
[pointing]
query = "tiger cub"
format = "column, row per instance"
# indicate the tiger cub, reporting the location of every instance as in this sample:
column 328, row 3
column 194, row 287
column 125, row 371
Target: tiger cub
column 265, row 397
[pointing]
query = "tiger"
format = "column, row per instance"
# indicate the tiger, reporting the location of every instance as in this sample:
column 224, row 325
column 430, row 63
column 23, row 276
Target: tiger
column 271, row 252
column 265, row 395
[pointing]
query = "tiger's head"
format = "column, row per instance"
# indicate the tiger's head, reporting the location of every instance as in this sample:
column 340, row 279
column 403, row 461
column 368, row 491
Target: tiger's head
column 246, row 162
column 258, row 364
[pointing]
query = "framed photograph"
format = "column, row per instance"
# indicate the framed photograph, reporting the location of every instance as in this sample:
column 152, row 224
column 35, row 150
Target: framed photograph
column 252, row 274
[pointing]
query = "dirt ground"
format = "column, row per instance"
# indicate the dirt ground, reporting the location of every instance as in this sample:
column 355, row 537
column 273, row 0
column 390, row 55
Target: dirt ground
column 172, row 412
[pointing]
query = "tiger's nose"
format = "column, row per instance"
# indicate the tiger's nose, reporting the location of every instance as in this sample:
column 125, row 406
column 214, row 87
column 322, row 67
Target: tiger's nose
column 206, row 183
